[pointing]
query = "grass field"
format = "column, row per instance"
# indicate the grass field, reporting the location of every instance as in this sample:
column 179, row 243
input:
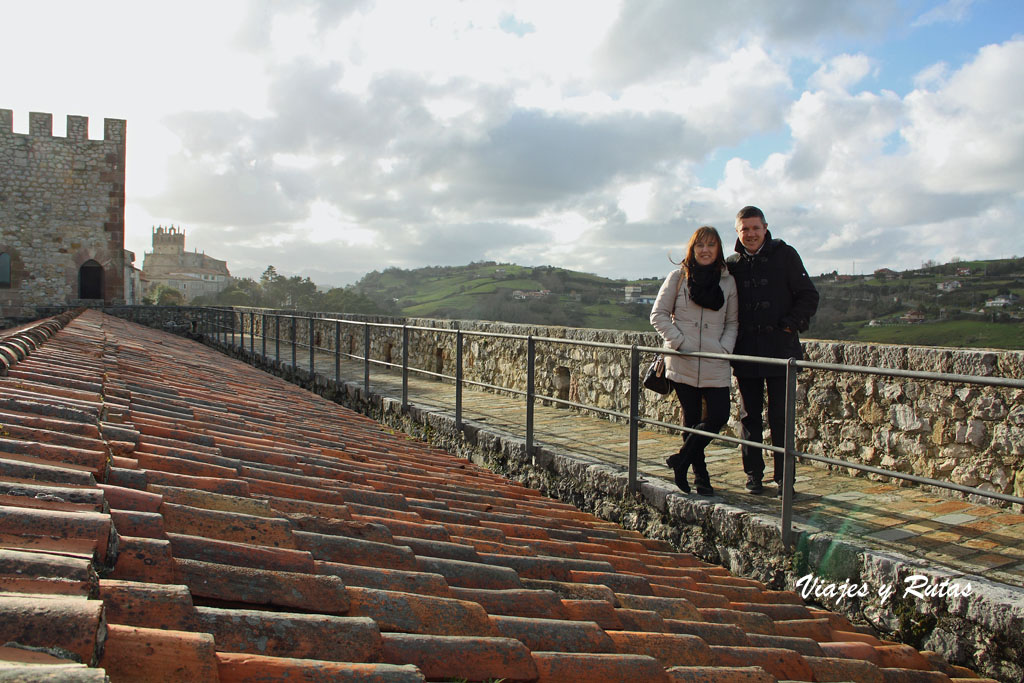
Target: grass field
column 952, row 333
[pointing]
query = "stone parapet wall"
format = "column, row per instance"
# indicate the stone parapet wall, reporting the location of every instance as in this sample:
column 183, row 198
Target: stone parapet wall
column 968, row 435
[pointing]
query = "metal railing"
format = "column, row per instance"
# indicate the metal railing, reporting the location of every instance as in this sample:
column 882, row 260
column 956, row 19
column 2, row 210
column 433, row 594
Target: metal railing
column 221, row 324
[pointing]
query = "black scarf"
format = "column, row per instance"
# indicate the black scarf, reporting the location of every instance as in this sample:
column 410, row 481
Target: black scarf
column 702, row 282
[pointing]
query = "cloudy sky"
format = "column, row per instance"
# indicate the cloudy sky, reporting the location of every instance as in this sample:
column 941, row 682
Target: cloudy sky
column 334, row 137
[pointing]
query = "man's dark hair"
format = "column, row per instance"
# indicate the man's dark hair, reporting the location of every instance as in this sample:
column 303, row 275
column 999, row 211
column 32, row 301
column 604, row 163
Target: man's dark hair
column 750, row 212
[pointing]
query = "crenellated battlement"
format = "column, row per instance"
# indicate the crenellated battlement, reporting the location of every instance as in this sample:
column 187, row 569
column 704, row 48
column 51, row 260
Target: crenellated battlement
column 40, row 124
column 62, row 211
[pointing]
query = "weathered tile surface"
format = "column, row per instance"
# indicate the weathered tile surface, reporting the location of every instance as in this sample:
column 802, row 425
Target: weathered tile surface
column 167, row 513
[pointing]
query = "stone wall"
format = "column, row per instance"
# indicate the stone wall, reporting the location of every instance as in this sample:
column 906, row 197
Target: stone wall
column 61, row 205
column 969, row 435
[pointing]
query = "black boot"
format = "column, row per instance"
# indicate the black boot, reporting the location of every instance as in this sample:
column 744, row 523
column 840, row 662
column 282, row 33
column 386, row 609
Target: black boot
column 680, row 463
column 703, row 485
column 680, row 472
column 701, row 478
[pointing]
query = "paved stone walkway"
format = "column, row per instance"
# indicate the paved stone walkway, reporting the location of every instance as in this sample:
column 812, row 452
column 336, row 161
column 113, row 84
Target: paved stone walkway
column 920, row 522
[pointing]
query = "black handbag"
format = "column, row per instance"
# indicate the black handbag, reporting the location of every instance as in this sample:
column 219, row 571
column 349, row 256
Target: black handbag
column 655, row 379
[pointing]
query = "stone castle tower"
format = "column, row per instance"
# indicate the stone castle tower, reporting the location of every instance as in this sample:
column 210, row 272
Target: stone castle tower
column 191, row 273
column 61, row 215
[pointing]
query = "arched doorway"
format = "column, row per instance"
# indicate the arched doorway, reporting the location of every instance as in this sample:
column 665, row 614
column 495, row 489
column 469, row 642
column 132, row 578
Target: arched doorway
column 90, row 280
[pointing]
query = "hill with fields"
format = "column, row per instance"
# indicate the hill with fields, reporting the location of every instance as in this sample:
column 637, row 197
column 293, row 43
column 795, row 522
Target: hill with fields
column 542, row 295
column 960, row 304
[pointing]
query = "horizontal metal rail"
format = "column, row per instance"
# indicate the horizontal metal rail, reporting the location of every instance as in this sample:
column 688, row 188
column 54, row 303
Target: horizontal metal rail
column 221, row 323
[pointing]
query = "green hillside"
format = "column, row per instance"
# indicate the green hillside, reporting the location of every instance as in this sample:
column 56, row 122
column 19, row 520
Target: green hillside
column 954, row 303
column 507, row 292
column 868, row 308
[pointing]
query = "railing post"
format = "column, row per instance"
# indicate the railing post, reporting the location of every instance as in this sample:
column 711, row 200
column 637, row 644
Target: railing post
column 312, row 350
column 232, row 328
column 458, row 380
column 366, row 357
column 277, row 338
column 789, row 459
column 337, row 352
column 531, row 369
column 295, row 341
column 634, row 414
column 252, row 336
column 263, row 334
column 405, row 367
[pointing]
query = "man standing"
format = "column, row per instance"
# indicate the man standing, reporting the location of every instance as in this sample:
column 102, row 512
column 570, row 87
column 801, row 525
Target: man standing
column 776, row 302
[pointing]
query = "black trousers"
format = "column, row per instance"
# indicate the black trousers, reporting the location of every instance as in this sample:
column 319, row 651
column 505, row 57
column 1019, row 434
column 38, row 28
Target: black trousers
column 752, row 393
column 690, row 398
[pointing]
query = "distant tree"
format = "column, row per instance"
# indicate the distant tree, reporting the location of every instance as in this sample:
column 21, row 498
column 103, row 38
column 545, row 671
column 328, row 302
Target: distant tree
column 163, row 295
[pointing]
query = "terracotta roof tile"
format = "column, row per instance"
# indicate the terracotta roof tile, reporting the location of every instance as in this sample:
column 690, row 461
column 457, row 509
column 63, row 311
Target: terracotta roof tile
column 31, row 470
column 411, row 613
column 306, row 592
column 305, row 507
column 836, row 669
column 751, row 622
column 818, row 630
column 291, row 634
column 78, row 532
column 470, row 574
column 144, row 559
column 48, row 497
column 598, row 611
column 245, row 668
column 142, row 524
column 781, row 663
column 147, row 654
column 573, row 591
column 557, row 667
column 720, row 674
column 710, row 632
column 226, row 526
column 356, row 553
column 121, row 498
column 151, row 605
column 680, row 609
column 554, row 635
column 230, row 487
column 540, row 604
column 914, row 676
column 93, row 461
column 641, row 620
column 24, row 571
column 461, row 657
column 45, row 672
column 421, row 583
column 805, row 646
column 43, row 621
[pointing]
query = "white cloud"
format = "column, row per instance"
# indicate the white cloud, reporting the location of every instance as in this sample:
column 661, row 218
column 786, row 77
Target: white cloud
column 841, row 72
column 967, row 135
column 331, row 136
column 951, row 11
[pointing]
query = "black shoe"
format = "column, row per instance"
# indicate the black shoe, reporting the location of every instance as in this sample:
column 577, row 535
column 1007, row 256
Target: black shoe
column 754, row 484
column 703, row 486
column 778, row 491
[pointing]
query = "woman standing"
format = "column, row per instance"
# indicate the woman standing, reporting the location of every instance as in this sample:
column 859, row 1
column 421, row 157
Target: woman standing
column 696, row 310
